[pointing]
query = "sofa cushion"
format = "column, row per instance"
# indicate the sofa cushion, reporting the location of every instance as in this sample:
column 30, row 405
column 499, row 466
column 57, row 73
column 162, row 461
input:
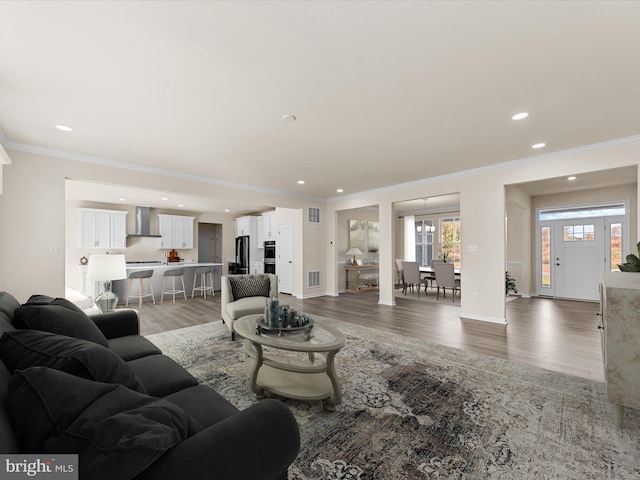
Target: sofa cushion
column 160, row 375
column 8, row 439
column 59, row 316
column 249, row 286
column 116, row 432
column 246, row 306
column 22, row 349
column 203, row 404
column 132, row 347
column 8, row 304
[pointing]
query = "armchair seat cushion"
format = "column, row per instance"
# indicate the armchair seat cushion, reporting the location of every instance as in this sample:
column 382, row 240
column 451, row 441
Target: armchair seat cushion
column 246, row 306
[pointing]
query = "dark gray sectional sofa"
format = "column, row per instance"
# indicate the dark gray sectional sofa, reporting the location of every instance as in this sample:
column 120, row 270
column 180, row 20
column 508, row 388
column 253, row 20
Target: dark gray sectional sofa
column 70, row 383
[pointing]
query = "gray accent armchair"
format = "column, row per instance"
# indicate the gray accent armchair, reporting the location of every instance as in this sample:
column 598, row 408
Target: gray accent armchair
column 243, row 295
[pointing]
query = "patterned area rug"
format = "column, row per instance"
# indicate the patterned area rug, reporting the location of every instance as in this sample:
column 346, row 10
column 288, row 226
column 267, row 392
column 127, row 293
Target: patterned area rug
column 416, row 411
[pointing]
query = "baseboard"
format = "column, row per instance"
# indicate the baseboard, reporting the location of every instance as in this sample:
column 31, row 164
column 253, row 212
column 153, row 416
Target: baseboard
column 483, row 318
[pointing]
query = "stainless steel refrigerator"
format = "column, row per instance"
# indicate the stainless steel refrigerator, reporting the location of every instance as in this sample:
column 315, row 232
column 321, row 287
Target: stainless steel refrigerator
column 242, row 254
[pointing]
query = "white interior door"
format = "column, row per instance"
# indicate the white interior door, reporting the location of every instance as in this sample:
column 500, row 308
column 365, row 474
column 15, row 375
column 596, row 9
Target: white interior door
column 285, row 257
column 579, row 257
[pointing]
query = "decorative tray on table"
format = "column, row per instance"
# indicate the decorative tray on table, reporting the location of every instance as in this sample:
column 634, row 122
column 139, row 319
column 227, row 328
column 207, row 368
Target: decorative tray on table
column 263, row 327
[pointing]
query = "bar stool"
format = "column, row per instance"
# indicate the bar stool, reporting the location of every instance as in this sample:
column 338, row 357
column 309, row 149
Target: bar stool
column 140, row 274
column 173, row 273
column 203, row 271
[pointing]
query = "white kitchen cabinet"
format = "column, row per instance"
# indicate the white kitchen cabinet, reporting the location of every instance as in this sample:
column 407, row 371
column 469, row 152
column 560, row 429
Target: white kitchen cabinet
column 620, row 330
column 246, row 226
column 103, row 228
column 176, row 231
column 256, row 267
column 269, row 225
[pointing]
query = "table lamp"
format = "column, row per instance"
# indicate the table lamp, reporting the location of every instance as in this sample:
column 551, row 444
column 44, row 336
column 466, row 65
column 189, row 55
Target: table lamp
column 105, row 268
column 354, row 251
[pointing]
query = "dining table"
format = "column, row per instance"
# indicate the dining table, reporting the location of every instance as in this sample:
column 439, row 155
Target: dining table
column 430, row 270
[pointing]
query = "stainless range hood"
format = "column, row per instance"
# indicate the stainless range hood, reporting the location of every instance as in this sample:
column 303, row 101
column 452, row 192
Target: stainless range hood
column 143, row 220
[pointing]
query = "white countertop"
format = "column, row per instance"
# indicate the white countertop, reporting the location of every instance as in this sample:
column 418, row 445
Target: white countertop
column 152, row 266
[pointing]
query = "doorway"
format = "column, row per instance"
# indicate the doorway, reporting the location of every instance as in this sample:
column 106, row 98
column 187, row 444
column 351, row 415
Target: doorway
column 285, row 257
column 574, row 245
column 205, row 247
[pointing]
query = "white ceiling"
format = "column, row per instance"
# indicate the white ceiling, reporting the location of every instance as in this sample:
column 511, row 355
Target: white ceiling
column 384, row 92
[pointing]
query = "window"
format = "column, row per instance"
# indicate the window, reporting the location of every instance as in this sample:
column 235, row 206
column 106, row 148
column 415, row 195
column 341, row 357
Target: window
column 424, row 242
column 545, row 256
column 615, row 235
column 577, row 233
column 586, row 212
column 450, row 239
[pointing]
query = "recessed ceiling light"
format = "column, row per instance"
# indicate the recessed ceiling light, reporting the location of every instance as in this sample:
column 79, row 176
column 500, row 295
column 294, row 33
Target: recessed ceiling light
column 538, row 145
column 520, row 116
column 227, row 210
column 64, row 128
column 339, row 190
column 289, row 118
column 300, row 182
column 165, row 198
column 180, row 205
column 571, row 178
column 123, row 199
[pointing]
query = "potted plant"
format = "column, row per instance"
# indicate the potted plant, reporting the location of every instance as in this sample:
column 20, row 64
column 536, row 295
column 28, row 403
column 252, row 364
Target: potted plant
column 443, row 255
column 633, row 262
column 510, row 284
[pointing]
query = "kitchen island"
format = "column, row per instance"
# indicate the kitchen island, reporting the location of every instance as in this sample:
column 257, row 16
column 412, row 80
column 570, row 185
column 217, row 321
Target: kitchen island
column 120, row 287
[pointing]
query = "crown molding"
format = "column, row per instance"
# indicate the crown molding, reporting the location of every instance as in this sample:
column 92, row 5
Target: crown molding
column 595, row 147
column 150, row 170
column 4, row 156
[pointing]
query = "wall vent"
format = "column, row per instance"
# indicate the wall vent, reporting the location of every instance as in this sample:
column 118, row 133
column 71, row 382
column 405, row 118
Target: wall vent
column 313, row 215
column 313, row 278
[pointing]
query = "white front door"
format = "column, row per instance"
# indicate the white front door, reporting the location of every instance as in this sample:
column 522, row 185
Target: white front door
column 285, row 257
column 578, row 257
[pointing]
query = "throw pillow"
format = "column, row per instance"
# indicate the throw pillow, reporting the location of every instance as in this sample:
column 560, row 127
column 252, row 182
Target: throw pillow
column 116, row 432
column 60, row 316
column 249, row 287
column 20, row 349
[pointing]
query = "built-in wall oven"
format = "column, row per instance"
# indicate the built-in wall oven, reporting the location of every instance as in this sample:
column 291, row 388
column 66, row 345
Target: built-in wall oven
column 270, row 256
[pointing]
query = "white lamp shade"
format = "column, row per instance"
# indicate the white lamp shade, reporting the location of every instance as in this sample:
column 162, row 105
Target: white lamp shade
column 354, row 251
column 106, row 267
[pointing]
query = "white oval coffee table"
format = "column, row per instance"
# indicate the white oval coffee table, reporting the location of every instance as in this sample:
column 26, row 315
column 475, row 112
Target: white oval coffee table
column 272, row 366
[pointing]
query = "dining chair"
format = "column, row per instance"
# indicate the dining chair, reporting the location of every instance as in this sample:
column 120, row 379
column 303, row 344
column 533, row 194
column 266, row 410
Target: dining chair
column 400, row 281
column 446, row 278
column 429, row 278
column 411, row 275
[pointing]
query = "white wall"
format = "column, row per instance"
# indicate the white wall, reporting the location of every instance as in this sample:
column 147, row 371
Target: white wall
column 482, row 213
column 33, row 219
column 33, row 213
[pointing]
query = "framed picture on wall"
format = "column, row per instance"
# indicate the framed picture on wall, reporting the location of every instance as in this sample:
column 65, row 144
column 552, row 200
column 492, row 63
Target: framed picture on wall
column 373, row 236
column 357, row 233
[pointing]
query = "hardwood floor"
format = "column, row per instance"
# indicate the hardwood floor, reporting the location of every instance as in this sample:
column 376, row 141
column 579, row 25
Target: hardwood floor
column 558, row 335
